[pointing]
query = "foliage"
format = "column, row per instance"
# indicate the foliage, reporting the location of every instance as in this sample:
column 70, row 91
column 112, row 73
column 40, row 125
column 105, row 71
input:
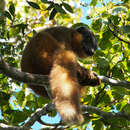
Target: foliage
column 110, row 21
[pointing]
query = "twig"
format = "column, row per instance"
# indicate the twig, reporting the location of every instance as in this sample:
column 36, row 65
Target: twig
column 117, row 36
column 97, row 97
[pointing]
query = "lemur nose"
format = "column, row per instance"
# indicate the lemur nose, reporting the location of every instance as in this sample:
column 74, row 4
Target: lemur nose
column 90, row 52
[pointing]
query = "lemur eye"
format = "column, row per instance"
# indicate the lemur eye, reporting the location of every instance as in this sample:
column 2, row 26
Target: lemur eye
column 80, row 29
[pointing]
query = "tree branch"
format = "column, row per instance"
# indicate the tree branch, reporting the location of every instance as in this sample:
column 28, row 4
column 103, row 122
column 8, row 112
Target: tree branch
column 8, row 127
column 33, row 79
column 48, row 124
column 106, row 115
column 114, row 82
column 42, row 80
column 30, row 79
column 50, row 107
column 38, row 113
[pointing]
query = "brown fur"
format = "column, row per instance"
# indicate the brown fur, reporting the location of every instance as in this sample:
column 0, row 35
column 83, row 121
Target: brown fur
column 53, row 51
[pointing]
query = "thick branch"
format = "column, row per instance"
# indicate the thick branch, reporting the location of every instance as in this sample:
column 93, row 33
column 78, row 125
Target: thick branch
column 42, row 80
column 28, row 78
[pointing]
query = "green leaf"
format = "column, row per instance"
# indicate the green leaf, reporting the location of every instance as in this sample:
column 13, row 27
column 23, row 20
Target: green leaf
column 105, row 98
column 88, row 17
column 98, row 125
column 8, row 15
column 107, row 35
column 119, row 9
column 31, row 104
column 18, row 116
column 4, row 97
column 125, row 29
column 41, row 101
column 30, row 97
column 46, row 1
column 22, row 25
column 105, row 14
column 12, row 9
column 67, row 7
column 8, row 35
column 53, row 113
column 79, row 24
column 1, row 21
column 127, row 108
column 93, row 3
column 125, row 1
column 115, row 19
column 105, row 42
column 97, row 24
column 34, row 5
column 20, row 97
column 59, row 9
column 103, row 65
column 117, row 71
column 119, row 122
column 89, row 99
column 1, row 76
column 53, row 13
column 50, row 6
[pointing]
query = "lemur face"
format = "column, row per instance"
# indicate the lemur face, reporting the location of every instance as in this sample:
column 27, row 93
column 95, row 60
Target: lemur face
column 89, row 42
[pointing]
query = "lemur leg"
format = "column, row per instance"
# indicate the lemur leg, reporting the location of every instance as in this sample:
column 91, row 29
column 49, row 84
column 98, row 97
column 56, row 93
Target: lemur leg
column 65, row 87
column 87, row 77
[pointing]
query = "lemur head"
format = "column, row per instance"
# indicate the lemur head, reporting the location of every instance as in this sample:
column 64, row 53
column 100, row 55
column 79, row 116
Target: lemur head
column 89, row 42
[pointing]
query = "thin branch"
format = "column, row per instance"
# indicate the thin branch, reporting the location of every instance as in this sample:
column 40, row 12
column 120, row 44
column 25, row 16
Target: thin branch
column 114, row 82
column 118, row 36
column 39, row 112
column 106, row 115
column 8, row 127
column 97, row 96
